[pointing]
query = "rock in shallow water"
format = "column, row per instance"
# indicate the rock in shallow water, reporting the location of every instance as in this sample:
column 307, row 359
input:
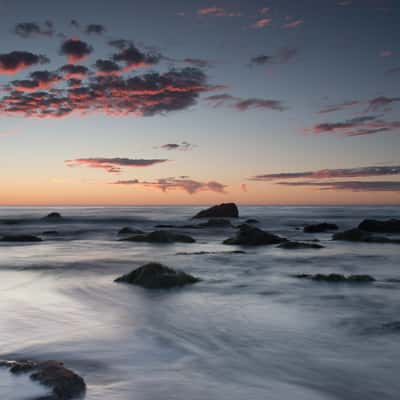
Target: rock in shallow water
column 225, row 210
column 20, row 238
column 337, row 278
column 157, row 276
column 54, row 216
column 359, row 235
column 319, row 228
column 252, row 236
column 389, row 226
column 160, row 237
column 129, row 231
column 64, row 383
column 299, row 245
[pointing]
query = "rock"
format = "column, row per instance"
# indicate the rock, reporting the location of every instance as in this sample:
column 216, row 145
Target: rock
column 225, row 210
column 160, row 237
column 252, row 236
column 51, row 233
column 20, row 238
column 252, row 221
column 157, row 276
column 388, row 226
column 54, row 216
column 299, row 245
column 129, row 231
column 318, row 228
column 337, row 278
column 166, row 226
column 216, row 223
column 358, row 235
column 64, row 383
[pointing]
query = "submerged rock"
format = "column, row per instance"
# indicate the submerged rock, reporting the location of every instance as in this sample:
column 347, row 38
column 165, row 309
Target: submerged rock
column 160, row 237
column 359, row 235
column 252, row 236
column 51, row 233
column 129, row 231
column 225, row 210
column 157, row 276
column 64, row 383
column 54, row 216
column 337, row 278
column 20, row 238
column 299, row 245
column 319, row 228
column 252, row 221
column 388, row 226
column 216, row 223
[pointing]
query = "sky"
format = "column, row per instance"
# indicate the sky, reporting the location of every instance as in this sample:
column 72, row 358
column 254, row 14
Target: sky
column 136, row 102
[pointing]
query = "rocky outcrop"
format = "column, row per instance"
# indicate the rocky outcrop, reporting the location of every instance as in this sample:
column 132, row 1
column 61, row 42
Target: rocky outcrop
column 64, row 383
column 160, row 237
column 20, row 238
column 319, row 228
column 157, row 276
column 337, row 278
column 129, row 231
column 359, row 235
column 252, row 236
column 388, row 226
column 299, row 245
column 54, row 216
column 225, row 210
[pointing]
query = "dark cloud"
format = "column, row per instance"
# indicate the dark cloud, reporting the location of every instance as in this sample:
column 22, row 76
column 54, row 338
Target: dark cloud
column 361, row 172
column 120, row 43
column 183, row 183
column 75, row 49
column 359, row 126
column 354, row 186
column 145, row 95
column 73, row 71
column 40, row 80
column 245, row 104
column 74, row 23
column 183, row 146
column 262, row 60
column 15, row 61
column 282, row 56
column 107, row 67
column 30, row 29
column 134, row 58
column 340, row 107
column 113, row 165
column 382, row 102
column 96, row 29
column 198, row 62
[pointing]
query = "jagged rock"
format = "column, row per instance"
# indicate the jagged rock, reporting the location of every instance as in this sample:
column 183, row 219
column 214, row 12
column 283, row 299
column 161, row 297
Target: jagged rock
column 299, row 245
column 157, row 276
column 160, row 237
column 225, row 210
column 129, row 231
column 20, row 238
column 318, row 228
column 54, row 216
column 64, row 383
column 252, row 236
column 337, row 278
column 388, row 226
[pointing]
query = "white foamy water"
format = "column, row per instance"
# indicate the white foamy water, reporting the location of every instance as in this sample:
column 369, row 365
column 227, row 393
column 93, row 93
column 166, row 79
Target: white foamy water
column 248, row 330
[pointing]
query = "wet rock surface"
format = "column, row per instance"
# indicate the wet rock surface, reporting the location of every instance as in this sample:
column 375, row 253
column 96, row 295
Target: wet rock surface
column 20, row 238
column 320, row 228
column 359, row 235
column 157, row 276
column 129, row 231
column 225, row 210
column 299, row 245
column 54, row 216
column 388, row 226
column 251, row 236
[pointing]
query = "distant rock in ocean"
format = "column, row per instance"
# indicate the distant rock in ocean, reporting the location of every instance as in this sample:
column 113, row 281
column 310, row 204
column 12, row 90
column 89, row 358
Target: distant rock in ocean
column 160, row 237
column 252, row 236
column 157, row 276
column 337, row 278
column 20, row 238
column 54, row 216
column 64, row 383
column 299, row 245
column 359, row 235
column 372, row 225
column 319, row 228
column 225, row 210
column 129, row 231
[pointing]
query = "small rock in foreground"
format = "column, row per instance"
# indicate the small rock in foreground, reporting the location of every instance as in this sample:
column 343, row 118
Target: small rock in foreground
column 20, row 238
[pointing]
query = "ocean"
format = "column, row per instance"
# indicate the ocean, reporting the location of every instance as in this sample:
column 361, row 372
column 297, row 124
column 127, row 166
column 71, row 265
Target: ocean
column 249, row 330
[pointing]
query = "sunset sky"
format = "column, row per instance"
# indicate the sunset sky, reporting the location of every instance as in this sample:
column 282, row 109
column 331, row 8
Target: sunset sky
column 197, row 102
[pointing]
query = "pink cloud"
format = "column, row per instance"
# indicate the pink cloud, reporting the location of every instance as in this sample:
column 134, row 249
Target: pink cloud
column 261, row 23
column 293, row 24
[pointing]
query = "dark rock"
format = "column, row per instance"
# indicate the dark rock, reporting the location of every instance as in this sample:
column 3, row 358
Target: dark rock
column 337, row 278
column 51, row 233
column 160, row 237
column 129, row 231
column 166, row 226
column 252, row 236
column 216, row 223
column 54, row 216
column 299, row 245
column 358, row 235
column 391, row 326
column 252, row 221
column 20, row 238
column 226, row 210
column 203, row 253
column 318, row 228
column 64, row 383
column 157, row 276
column 389, row 226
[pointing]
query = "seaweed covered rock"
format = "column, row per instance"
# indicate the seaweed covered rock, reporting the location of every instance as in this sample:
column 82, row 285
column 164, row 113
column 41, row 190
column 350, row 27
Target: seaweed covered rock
column 225, row 210
column 54, row 216
column 64, row 383
column 157, row 276
column 388, row 226
column 20, row 238
column 252, row 236
column 129, row 231
column 160, row 237
column 299, row 245
column 337, row 278
column 319, row 228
